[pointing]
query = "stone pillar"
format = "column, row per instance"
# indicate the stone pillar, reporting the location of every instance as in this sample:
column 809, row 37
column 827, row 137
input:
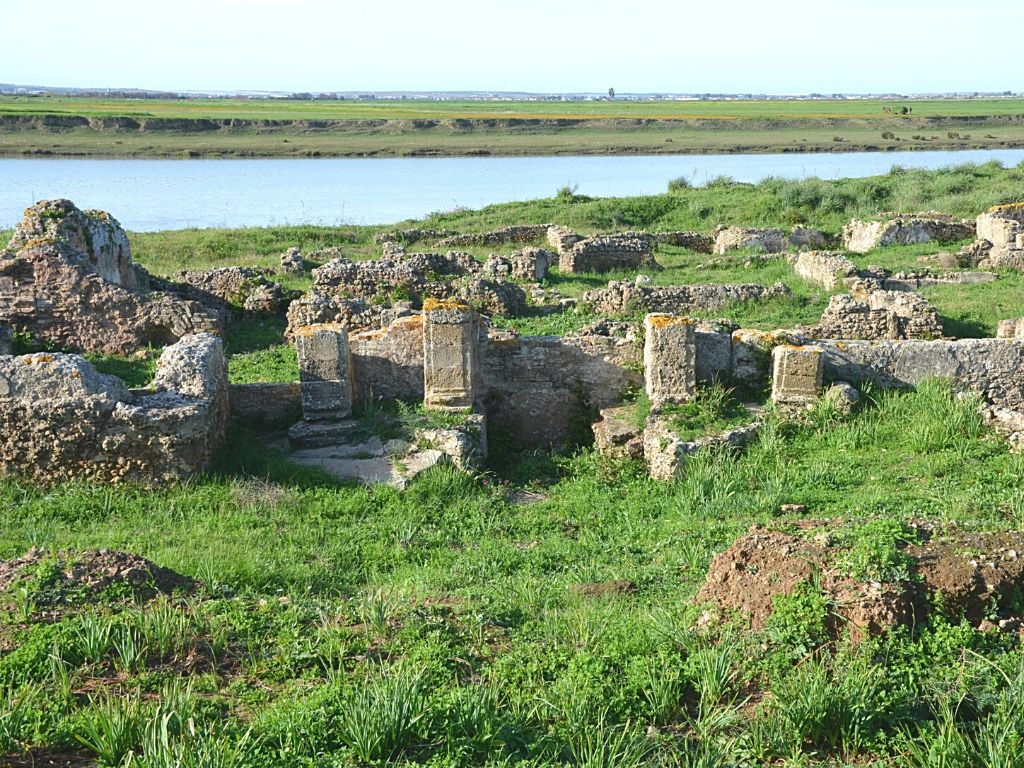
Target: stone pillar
column 324, row 372
column 796, row 374
column 670, row 359
column 6, row 340
column 450, row 333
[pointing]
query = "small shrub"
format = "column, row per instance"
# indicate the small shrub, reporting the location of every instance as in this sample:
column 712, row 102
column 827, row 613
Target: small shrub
column 679, row 183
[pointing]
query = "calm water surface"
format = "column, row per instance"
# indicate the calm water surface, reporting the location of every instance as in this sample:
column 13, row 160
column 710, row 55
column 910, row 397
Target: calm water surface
column 148, row 195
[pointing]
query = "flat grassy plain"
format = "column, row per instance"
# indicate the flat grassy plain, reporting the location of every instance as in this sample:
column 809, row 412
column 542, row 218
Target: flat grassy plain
column 285, row 128
column 541, row 612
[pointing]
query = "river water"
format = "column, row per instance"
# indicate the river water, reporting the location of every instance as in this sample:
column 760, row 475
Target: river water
column 147, row 195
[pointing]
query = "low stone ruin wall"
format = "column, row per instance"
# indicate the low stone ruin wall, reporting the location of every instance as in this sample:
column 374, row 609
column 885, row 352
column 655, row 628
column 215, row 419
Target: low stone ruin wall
column 629, row 250
column 993, row 367
column 625, row 297
column 529, row 264
column 861, row 236
column 543, row 390
column 692, row 241
column 230, row 288
column 276, row 403
column 520, row 233
column 825, row 268
column 62, row 420
column 766, row 240
column 562, row 239
column 1001, row 231
column 879, row 315
column 68, row 280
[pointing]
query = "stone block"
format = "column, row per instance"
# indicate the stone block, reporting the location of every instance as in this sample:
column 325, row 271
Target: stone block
column 324, row 372
column 796, row 374
column 450, row 343
column 670, row 359
column 6, row 340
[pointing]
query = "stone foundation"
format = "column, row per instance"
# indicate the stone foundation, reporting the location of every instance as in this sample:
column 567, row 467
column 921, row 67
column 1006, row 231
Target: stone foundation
column 692, row 241
column 627, row 297
column 765, row 240
column 861, row 236
column 630, row 250
column 61, row 420
column 1002, row 227
column 825, row 268
column 879, row 315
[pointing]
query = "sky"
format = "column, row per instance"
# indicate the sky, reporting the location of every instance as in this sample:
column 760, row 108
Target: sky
column 679, row 46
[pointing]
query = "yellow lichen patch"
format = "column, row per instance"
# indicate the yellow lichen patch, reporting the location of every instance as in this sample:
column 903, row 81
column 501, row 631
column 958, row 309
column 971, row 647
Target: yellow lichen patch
column 445, row 305
column 1006, row 207
column 309, row 330
column 76, row 374
column 659, row 320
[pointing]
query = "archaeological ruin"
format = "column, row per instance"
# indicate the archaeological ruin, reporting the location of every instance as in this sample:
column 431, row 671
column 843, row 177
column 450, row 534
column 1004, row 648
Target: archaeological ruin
column 432, row 328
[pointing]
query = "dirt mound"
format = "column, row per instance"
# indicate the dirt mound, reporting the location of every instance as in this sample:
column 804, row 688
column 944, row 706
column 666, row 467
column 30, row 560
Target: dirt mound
column 975, row 575
column 68, row 578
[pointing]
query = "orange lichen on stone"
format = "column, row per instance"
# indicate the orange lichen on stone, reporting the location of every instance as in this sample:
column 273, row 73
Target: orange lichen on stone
column 659, row 320
column 1006, row 207
column 309, row 330
column 449, row 305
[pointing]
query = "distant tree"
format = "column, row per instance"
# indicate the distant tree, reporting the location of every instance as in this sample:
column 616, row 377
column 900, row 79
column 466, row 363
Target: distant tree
column 611, row 93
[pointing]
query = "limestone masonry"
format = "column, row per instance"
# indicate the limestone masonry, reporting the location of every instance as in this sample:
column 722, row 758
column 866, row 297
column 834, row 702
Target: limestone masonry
column 63, row 420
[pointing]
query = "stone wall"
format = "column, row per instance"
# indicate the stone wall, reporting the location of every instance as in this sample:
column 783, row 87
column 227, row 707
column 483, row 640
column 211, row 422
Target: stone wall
column 95, row 234
column 861, row 236
column 693, row 241
column 231, row 288
column 825, row 268
column 68, row 280
column 6, row 340
column 993, row 367
column 530, row 264
column 49, row 290
column 625, row 297
column 562, row 239
column 766, row 240
column 276, row 403
column 1003, row 228
column 520, row 233
column 62, row 420
column 387, row 364
column 629, row 250
column 879, row 315
column 544, row 390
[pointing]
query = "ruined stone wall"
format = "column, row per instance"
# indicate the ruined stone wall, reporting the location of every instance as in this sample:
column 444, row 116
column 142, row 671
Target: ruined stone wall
column 388, row 363
column 625, row 297
column 228, row 288
column 530, row 264
column 879, row 315
column 766, row 240
column 48, row 289
column 824, row 268
column 520, row 233
column 1003, row 228
column 993, row 367
column 693, row 241
column 861, row 236
column 95, row 234
column 61, row 420
column 541, row 390
column 629, row 250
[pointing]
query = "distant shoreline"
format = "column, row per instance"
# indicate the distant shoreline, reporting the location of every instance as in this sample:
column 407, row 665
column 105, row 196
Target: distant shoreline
column 204, row 128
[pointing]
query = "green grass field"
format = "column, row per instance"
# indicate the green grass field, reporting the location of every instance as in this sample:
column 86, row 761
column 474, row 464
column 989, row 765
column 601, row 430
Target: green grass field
column 284, row 128
column 283, row 109
column 541, row 612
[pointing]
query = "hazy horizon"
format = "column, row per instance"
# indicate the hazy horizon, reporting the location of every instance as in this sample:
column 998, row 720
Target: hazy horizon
column 791, row 48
